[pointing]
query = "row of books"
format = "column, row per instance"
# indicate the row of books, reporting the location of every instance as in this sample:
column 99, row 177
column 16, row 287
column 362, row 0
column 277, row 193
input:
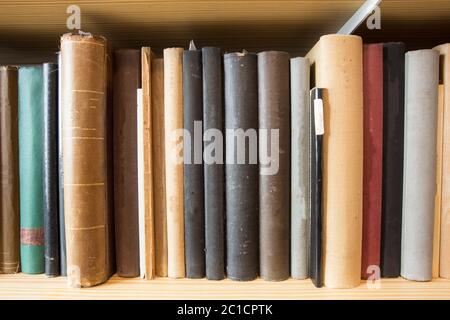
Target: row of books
column 202, row 164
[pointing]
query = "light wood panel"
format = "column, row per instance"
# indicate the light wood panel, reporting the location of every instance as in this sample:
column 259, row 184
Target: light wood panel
column 23, row 286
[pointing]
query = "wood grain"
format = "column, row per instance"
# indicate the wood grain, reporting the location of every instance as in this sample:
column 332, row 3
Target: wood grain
column 21, row 286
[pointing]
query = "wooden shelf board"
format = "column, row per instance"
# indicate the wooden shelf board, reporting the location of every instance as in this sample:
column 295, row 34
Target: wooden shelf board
column 23, row 286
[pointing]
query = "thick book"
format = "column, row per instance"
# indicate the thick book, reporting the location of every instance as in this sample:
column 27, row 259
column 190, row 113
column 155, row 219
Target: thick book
column 444, row 250
column 241, row 168
column 194, row 210
column 419, row 177
column 87, row 208
column 50, row 170
column 9, row 162
column 145, row 167
column 338, row 68
column 214, row 174
column 373, row 159
column 392, row 184
column 159, row 174
column 126, row 81
column 315, row 166
column 61, row 220
column 173, row 125
column 300, row 204
column 31, row 140
column 274, row 164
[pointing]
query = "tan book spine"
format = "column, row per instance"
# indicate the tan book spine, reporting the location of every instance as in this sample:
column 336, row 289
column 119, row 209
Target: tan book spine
column 159, row 175
column 338, row 68
column 444, row 256
column 84, row 91
column 438, row 200
column 146, row 161
column 173, row 122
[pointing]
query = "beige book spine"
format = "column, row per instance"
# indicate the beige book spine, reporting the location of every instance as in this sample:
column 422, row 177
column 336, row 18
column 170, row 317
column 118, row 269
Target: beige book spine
column 339, row 70
column 173, row 123
column 444, row 256
column 159, row 175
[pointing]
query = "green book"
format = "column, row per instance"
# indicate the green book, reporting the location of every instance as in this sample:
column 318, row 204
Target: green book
column 31, row 140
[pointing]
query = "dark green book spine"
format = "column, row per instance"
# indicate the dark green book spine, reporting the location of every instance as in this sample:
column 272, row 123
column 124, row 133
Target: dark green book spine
column 30, row 169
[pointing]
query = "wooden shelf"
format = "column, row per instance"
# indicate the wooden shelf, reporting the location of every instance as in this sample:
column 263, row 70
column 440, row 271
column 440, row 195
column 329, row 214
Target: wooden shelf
column 23, row 286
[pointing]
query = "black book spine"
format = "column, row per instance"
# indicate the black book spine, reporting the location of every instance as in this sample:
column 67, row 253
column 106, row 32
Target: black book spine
column 241, row 179
column 316, row 140
column 194, row 213
column 214, row 172
column 62, row 231
column 50, row 174
column 392, row 185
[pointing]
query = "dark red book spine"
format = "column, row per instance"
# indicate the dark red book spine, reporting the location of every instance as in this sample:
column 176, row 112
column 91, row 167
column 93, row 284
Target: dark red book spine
column 373, row 159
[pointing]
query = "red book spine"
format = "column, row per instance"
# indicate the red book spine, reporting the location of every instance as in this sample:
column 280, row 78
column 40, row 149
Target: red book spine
column 373, row 159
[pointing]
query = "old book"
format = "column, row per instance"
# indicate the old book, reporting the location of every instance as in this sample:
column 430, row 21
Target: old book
column 31, row 140
column 145, row 167
column 373, row 159
column 274, row 164
column 419, row 178
column 392, row 185
column 126, row 81
column 194, row 212
column 50, row 173
column 315, row 152
column 159, row 174
column 300, row 204
column 438, row 193
column 241, row 168
column 213, row 117
column 173, row 125
column 338, row 69
column 62, row 229
column 9, row 162
column 86, row 196
column 444, row 251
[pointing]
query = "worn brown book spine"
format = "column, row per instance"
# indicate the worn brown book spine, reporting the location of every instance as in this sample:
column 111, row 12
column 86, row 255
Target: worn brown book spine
column 159, row 174
column 9, row 162
column 86, row 203
column 126, row 81
column 173, row 124
column 274, row 171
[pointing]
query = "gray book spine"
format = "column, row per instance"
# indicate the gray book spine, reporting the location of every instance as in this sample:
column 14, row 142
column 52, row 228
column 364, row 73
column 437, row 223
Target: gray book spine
column 419, row 180
column 300, row 206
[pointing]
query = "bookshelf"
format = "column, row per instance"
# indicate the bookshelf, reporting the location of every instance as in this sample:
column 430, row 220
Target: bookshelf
column 38, row 287
column 30, row 31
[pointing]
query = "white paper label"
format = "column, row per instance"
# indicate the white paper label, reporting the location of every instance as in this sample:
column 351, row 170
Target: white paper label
column 318, row 116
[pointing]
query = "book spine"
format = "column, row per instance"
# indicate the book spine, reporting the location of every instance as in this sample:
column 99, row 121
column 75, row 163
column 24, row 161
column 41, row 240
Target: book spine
column 173, row 124
column 194, row 213
column 62, row 229
column 145, row 167
column 316, row 188
column 373, row 158
column 241, row 177
column 30, row 162
column 444, row 239
column 213, row 118
column 126, row 81
column 392, row 186
column 274, row 171
column 419, row 180
column 86, row 194
column 159, row 174
column 300, row 205
column 50, row 170
column 9, row 156
column 339, row 70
